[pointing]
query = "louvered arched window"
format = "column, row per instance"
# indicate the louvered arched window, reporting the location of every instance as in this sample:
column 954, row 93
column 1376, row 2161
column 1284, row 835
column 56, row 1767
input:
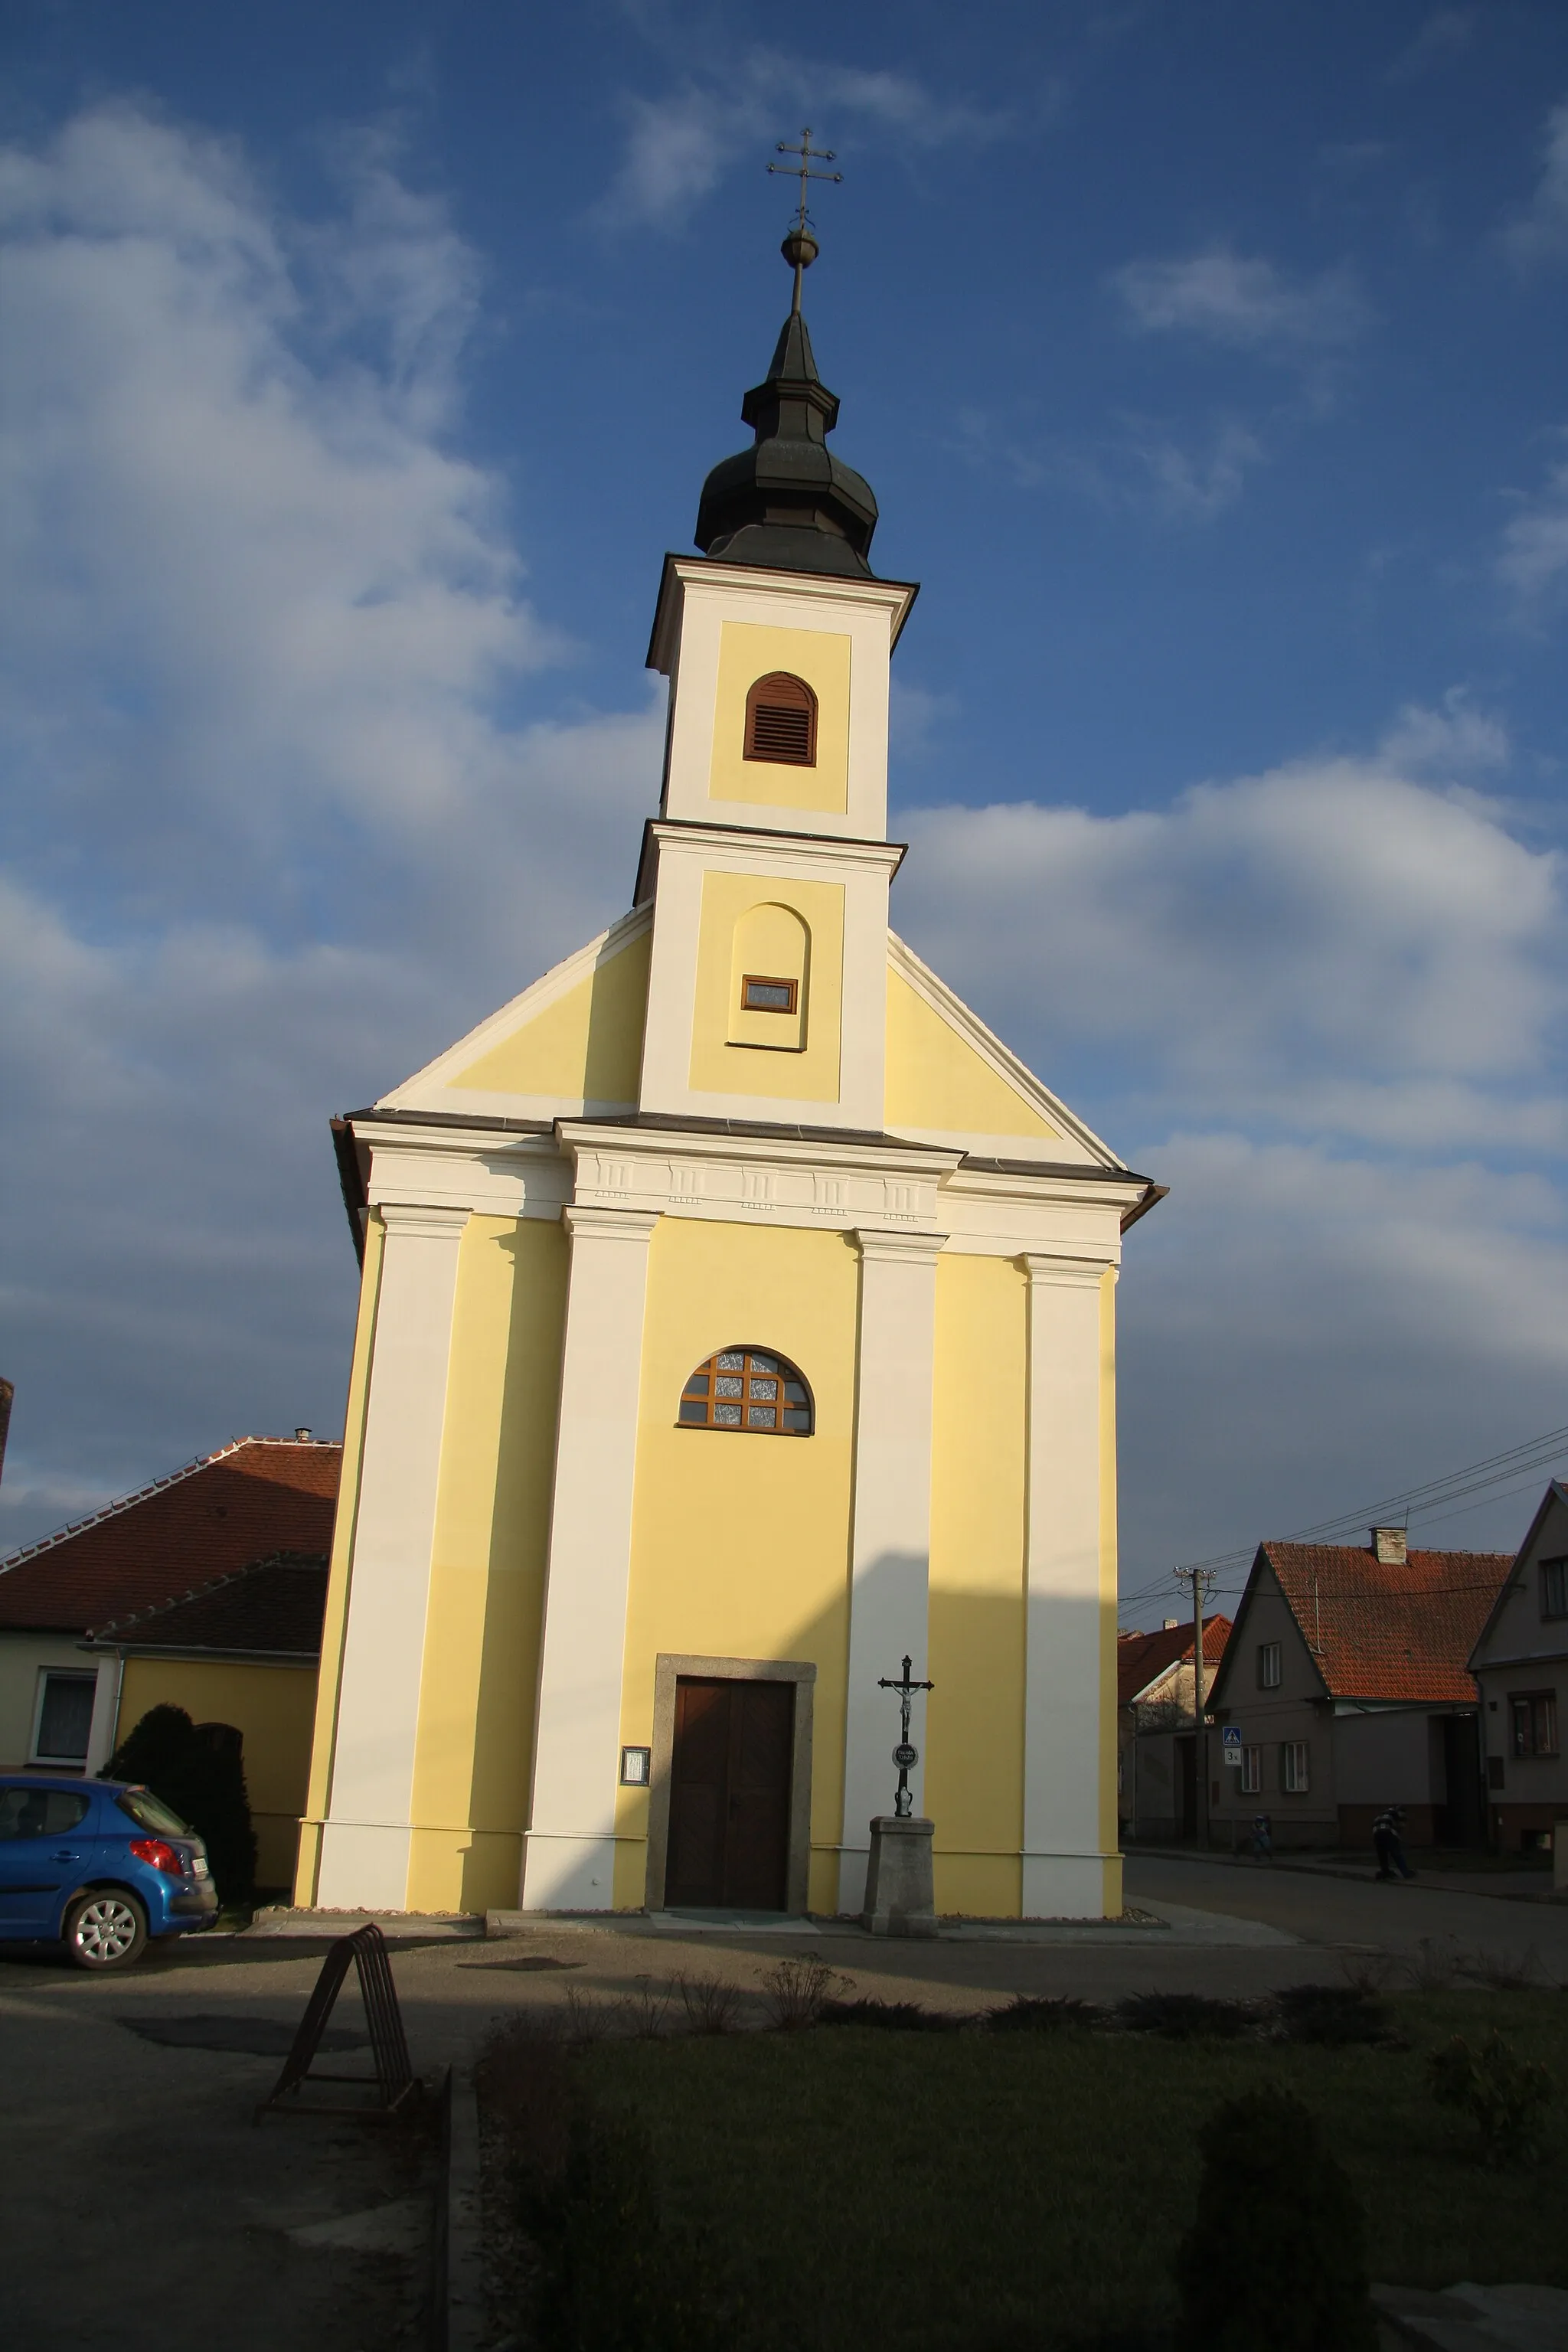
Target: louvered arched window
column 780, row 721
column 750, row 1390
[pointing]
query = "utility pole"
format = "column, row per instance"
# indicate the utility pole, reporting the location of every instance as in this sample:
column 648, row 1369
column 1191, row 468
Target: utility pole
column 1201, row 1581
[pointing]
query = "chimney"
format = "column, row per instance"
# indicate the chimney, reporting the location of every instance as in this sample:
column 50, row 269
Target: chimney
column 1171, row 1623
column 302, row 1437
column 1388, row 1546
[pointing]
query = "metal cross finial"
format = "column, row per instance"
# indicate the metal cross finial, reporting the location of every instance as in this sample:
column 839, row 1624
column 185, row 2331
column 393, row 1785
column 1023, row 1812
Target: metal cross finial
column 800, row 246
column 904, row 1756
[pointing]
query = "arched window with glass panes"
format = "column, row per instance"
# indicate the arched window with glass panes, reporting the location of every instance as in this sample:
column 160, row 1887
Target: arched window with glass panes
column 749, row 1390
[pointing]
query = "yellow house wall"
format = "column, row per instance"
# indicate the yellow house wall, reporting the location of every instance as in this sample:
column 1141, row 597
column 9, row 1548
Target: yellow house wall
column 273, row 1707
column 741, row 1544
column 821, row 657
column 937, row 1081
column 330, row 1680
column 974, row 1743
column 474, row 1740
column 719, row 1066
column 1109, row 1826
column 588, row 1043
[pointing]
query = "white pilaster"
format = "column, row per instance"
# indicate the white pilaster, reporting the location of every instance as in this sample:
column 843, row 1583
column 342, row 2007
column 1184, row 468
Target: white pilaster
column 366, row 1834
column 569, row 1854
column 890, row 1558
column 1063, row 1858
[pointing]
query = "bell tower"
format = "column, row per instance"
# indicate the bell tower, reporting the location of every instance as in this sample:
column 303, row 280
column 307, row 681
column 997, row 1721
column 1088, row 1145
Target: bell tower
column 768, row 865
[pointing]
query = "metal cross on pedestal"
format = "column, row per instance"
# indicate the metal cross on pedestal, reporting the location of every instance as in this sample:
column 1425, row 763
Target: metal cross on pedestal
column 904, row 1756
column 799, row 248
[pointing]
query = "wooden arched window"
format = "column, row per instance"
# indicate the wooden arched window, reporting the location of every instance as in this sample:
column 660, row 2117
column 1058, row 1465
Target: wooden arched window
column 747, row 1389
column 780, row 721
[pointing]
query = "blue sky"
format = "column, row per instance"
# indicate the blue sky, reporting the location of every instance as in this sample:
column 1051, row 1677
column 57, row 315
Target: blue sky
column 1208, row 362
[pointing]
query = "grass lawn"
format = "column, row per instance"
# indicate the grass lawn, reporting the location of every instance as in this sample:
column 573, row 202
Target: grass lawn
column 939, row 2190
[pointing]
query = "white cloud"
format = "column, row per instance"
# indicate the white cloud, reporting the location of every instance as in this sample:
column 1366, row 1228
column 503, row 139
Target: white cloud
column 1291, row 949
column 1246, row 304
column 679, row 145
column 1190, row 484
column 273, row 841
column 1445, row 34
column 1534, row 552
column 1541, row 233
column 1455, row 740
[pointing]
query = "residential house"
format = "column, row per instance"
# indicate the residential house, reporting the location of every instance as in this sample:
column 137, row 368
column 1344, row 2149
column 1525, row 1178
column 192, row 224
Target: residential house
column 1156, row 1744
column 1346, row 1687
column 240, row 1655
column 64, row 1705
column 1521, row 1666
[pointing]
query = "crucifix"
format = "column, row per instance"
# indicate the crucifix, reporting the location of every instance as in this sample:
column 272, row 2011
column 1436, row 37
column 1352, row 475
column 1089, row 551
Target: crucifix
column 904, row 1756
column 800, row 247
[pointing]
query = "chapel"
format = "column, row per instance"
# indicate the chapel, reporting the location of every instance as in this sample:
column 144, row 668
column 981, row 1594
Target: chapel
column 737, row 1319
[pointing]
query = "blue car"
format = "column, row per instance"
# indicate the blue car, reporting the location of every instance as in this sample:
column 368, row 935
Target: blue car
column 99, row 1865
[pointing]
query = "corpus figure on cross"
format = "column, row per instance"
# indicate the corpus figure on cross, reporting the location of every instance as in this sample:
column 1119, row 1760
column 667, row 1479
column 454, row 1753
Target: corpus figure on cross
column 904, row 1756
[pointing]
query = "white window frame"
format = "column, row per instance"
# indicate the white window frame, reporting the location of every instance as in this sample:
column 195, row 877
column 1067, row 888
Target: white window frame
column 60, row 1674
column 1270, row 1665
column 1252, row 1772
column 1295, row 1767
column 1553, row 1602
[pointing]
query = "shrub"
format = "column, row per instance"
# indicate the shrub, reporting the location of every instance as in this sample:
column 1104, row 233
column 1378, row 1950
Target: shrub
column 1505, row 2095
column 1037, row 2014
column 201, row 1780
column 797, row 1988
column 711, row 2003
column 892, row 2016
column 1181, row 2016
column 1331, row 2014
column 1276, row 2256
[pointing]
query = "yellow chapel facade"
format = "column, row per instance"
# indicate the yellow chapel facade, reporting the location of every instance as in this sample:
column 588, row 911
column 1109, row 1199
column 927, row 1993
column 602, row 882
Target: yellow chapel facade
column 737, row 1317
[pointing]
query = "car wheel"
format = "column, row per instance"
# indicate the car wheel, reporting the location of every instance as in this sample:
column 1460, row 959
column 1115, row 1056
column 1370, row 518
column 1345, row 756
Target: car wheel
column 106, row 1930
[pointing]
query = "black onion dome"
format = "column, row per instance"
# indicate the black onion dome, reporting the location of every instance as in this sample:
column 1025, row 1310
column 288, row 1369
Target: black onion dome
column 787, row 502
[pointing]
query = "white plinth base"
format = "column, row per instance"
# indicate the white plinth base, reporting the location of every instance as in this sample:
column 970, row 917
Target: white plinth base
column 899, row 1898
column 568, row 1874
column 1064, row 1885
column 364, row 1867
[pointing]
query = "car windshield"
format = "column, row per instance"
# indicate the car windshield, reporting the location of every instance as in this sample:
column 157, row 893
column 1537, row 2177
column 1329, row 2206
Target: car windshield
column 150, row 1812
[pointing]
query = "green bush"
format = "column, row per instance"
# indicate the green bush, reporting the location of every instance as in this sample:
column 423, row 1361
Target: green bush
column 1505, row 2095
column 201, row 1782
column 1334, row 2014
column 1181, row 2016
column 1276, row 2261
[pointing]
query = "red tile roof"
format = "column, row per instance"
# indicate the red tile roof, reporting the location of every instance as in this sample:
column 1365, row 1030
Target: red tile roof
column 1388, row 1632
column 273, row 1606
column 254, row 1497
column 1136, row 1668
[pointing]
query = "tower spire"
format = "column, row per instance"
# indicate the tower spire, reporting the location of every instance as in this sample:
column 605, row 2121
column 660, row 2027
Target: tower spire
column 787, row 503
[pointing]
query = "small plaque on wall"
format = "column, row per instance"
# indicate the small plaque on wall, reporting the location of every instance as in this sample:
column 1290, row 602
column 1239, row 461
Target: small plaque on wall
column 636, row 1764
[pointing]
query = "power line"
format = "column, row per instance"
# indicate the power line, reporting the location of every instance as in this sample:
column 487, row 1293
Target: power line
column 1510, row 1469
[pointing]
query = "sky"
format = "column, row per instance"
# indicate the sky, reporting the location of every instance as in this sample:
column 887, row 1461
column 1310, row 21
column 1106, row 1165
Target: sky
column 1208, row 358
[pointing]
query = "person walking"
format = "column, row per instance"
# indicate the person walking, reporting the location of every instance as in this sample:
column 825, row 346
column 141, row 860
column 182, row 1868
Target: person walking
column 1388, row 1844
column 1262, row 1837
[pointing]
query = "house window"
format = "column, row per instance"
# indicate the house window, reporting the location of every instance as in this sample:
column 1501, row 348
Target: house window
column 743, row 1388
column 1535, row 1719
column 65, row 1718
column 1268, row 1666
column 780, row 721
column 1554, row 1588
column 1295, row 1774
column 1252, row 1772
column 759, row 995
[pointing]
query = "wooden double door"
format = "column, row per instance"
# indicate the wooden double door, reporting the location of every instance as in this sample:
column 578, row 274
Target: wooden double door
column 729, row 1794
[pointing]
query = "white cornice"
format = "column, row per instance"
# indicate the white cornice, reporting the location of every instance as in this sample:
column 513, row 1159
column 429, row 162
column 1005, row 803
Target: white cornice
column 745, row 850
column 682, row 573
column 788, row 1150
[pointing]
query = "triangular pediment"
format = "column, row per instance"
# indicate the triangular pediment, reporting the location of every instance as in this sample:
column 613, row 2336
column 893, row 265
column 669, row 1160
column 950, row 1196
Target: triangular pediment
column 570, row 1045
column 950, row 1080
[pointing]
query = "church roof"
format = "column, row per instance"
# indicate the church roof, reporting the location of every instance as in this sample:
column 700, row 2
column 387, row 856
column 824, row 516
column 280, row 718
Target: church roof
column 255, row 1496
column 788, row 503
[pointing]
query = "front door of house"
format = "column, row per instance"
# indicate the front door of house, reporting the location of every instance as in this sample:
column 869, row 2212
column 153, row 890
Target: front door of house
column 729, row 1794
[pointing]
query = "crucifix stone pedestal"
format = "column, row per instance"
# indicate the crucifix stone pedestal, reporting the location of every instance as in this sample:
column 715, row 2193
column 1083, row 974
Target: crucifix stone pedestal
column 900, row 1900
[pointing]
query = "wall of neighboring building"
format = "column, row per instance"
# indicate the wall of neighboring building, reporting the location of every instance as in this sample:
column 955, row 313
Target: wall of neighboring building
column 1297, row 1710
column 1388, row 1756
column 273, row 1709
column 1523, row 1653
column 25, row 1660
